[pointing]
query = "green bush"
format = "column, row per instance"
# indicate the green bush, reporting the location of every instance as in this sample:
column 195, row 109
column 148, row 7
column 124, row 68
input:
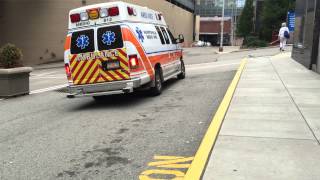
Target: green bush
column 254, row 42
column 245, row 25
column 10, row 56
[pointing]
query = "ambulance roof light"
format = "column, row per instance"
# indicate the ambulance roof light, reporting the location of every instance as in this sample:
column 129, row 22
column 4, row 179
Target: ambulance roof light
column 84, row 16
column 103, row 12
column 158, row 16
column 75, row 18
column 113, row 11
column 131, row 11
column 93, row 13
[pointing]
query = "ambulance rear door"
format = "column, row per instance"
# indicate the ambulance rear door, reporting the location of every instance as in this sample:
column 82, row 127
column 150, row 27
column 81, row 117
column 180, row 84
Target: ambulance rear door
column 98, row 55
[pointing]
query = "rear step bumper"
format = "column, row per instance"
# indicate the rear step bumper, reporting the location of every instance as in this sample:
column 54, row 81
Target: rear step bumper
column 108, row 88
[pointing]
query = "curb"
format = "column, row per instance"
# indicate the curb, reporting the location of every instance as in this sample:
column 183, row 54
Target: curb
column 261, row 48
column 198, row 165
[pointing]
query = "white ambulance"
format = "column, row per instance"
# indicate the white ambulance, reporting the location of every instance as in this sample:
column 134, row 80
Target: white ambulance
column 116, row 47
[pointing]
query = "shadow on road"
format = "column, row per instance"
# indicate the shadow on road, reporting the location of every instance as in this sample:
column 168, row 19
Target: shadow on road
column 122, row 100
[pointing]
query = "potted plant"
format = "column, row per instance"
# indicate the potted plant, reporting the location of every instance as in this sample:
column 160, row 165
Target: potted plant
column 14, row 78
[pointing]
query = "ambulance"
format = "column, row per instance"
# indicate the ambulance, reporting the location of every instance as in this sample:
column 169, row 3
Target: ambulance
column 117, row 47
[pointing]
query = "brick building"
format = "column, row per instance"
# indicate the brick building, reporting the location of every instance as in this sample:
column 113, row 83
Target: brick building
column 210, row 29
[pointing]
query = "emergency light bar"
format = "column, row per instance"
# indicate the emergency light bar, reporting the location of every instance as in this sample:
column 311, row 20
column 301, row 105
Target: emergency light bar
column 159, row 16
column 75, row 18
column 114, row 11
column 103, row 12
column 84, row 16
column 131, row 11
column 93, row 13
column 96, row 13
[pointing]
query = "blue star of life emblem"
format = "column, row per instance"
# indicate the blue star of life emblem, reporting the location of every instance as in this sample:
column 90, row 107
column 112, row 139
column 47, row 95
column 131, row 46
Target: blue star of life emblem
column 140, row 34
column 108, row 37
column 83, row 41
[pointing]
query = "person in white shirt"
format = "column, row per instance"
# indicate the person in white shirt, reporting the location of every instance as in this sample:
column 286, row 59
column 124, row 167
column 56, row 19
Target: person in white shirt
column 283, row 36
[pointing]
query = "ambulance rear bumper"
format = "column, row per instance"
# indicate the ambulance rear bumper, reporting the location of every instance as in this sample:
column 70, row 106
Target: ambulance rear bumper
column 102, row 89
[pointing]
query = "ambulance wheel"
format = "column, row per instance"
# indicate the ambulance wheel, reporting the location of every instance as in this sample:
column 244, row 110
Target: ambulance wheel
column 157, row 89
column 182, row 75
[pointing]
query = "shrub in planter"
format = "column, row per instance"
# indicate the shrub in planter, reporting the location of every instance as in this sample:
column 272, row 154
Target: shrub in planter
column 14, row 79
column 254, row 42
column 10, row 56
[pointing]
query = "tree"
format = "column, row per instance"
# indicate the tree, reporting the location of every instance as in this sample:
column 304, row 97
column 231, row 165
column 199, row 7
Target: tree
column 245, row 26
column 274, row 13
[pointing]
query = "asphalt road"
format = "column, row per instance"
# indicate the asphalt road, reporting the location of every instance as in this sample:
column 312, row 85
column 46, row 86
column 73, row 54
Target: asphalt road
column 47, row 136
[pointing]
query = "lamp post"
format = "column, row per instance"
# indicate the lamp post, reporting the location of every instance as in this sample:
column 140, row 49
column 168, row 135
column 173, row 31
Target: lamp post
column 222, row 26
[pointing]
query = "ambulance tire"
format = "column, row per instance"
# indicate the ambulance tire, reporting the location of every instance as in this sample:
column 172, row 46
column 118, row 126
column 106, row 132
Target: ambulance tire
column 157, row 89
column 182, row 75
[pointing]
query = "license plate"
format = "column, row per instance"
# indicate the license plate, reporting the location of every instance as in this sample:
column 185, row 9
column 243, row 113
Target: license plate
column 110, row 65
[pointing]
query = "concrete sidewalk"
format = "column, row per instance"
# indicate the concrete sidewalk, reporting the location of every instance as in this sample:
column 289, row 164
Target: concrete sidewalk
column 52, row 65
column 272, row 127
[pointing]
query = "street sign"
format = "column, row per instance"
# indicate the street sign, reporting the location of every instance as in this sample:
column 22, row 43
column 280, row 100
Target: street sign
column 291, row 20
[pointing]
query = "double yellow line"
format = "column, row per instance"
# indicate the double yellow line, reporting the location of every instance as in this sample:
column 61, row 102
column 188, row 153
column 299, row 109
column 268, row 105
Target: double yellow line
column 198, row 165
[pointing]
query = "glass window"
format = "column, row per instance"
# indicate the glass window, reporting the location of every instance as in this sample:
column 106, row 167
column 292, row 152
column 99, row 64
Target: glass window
column 165, row 35
column 82, row 42
column 160, row 34
column 109, row 38
column 173, row 40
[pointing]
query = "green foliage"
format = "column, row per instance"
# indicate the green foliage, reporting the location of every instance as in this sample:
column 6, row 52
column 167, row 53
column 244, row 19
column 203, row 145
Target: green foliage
column 274, row 13
column 10, row 56
column 245, row 26
column 254, row 42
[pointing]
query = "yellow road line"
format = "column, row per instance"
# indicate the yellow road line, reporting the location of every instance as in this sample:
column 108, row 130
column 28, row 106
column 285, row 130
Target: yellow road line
column 167, row 157
column 200, row 160
column 166, row 162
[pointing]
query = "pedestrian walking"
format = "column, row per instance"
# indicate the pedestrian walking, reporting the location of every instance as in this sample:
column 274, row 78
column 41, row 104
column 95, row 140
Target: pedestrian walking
column 284, row 35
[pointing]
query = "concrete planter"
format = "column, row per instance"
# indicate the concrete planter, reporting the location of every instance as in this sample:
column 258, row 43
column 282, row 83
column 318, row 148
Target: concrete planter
column 14, row 81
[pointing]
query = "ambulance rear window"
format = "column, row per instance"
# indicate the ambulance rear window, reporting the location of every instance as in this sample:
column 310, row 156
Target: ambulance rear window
column 82, row 42
column 109, row 38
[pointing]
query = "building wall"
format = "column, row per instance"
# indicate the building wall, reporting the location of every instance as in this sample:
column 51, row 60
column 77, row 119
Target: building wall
column 39, row 27
column 318, row 60
column 307, row 31
column 215, row 27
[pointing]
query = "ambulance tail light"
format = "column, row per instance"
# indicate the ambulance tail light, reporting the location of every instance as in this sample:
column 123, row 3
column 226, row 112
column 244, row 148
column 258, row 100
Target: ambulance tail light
column 75, row 18
column 114, row 11
column 68, row 72
column 134, row 61
column 103, row 12
column 93, row 13
column 131, row 11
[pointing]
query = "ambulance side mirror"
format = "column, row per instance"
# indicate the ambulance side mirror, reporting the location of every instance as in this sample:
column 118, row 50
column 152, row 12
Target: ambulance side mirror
column 180, row 38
